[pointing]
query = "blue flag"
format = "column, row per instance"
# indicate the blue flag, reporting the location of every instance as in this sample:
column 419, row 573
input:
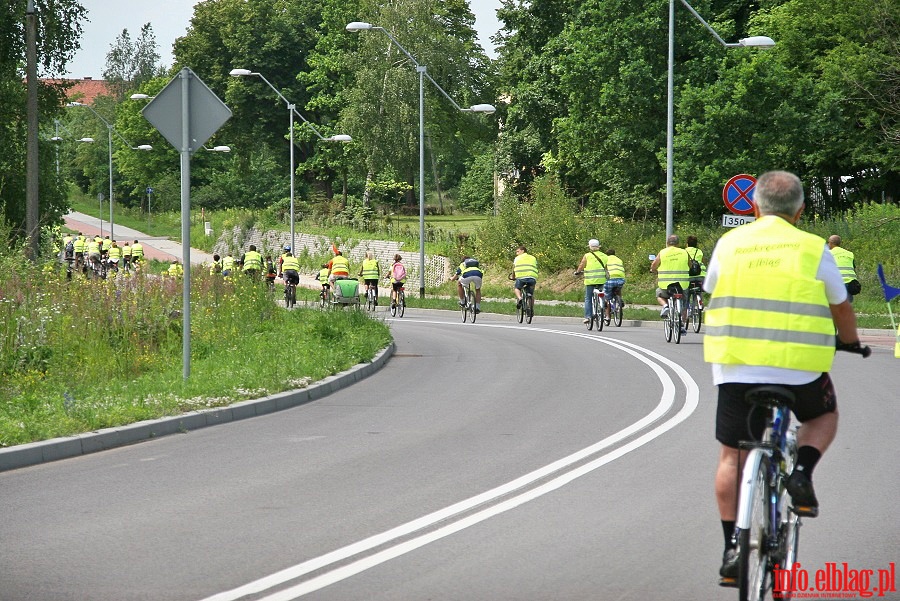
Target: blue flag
column 890, row 292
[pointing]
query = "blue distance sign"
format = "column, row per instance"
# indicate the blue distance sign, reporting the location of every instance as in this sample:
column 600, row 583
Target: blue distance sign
column 738, row 194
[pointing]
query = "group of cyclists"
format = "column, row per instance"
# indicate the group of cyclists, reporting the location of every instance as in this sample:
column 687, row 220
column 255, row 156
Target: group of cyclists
column 338, row 268
column 99, row 254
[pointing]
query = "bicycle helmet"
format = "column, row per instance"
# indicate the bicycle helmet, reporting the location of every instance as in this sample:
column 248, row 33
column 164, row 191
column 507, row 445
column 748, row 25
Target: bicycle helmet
column 287, row 248
column 594, row 243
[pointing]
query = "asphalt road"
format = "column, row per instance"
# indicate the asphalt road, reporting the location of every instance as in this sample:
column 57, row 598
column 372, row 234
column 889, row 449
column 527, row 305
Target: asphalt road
column 491, row 461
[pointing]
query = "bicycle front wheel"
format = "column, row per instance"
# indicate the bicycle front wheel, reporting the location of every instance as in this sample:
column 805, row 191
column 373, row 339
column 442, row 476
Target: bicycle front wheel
column 599, row 310
column 696, row 313
column 668, row 323
column 520, row 309
column 465, row 307
column 753, row 542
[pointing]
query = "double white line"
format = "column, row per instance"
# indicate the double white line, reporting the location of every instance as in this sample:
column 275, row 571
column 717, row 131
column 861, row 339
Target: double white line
column 566, row 465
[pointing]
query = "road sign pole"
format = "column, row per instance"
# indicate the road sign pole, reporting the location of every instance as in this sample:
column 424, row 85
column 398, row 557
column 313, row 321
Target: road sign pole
column 186, row 218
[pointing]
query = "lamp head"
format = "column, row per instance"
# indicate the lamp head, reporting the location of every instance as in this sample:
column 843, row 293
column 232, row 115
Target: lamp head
column 359, row 26
column 89, row 140
column 56, row 139
column 240, row 72
column 487, row 109
column 145, row 147
column 758, row 41
column 221, row 148
column 139, row 96
column 75, row 104
column 339, row 138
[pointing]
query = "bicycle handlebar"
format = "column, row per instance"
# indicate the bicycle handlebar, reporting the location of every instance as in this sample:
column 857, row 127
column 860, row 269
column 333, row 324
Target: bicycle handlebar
column 853, row 347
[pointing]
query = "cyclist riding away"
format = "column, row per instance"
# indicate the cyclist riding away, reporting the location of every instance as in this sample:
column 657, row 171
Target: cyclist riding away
column 290, row 268
column 615, row 269
column 777, row 296
column 339, row 268
column 252, row 262
column 286, row 252
column 397, row 273
column 369, row 272
column 525, row 270
column 469, row 272
column 673, row 271
column 593, row 266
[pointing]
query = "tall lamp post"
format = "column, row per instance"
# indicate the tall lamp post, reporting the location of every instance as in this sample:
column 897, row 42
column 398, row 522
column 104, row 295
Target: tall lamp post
column 754, row 41
column 109, row 131
column 292, row 110
column 423, row 73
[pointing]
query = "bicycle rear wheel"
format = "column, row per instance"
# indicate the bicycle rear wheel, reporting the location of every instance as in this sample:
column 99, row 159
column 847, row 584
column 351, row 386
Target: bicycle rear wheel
column 593, row 316
column 753, row 542
column 472, row 311
column 677, row 325
column 529, row 307
column 617, row 311
column 401, row 305
column 696, row 312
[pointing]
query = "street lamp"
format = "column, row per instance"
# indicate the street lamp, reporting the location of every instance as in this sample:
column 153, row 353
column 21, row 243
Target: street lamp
column 109, row 130
column 356, row 26
column 754, row 41
column 292, row 110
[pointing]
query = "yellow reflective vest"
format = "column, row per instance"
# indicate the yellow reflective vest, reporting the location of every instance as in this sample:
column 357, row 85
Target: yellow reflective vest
column 768, row 308
column 595, row 268
column 615, row 267
column 369, row 269
column 253, row 261
column 525, row 266
column 844, row 260
column 673, row 267
column 290, row 263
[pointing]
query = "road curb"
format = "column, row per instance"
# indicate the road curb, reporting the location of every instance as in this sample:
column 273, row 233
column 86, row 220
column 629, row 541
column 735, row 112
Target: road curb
column 109, row 438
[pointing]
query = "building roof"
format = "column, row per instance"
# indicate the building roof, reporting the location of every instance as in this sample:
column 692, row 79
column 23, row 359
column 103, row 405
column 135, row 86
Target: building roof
column 84, row 90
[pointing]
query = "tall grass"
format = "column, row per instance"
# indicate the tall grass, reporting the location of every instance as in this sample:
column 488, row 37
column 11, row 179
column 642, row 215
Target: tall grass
column 81, row 355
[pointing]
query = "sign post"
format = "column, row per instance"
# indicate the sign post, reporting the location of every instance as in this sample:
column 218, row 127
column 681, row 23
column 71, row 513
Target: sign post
column 738, row 198
column 186, row 112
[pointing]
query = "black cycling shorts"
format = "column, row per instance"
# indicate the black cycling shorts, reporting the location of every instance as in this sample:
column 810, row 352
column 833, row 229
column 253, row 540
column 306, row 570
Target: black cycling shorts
column 291, row 276
column 737, row 420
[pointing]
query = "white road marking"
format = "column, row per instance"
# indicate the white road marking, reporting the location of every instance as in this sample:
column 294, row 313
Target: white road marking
column 667, row 401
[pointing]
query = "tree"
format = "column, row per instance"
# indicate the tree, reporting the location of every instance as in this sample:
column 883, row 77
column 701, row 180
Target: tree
column 130, row 64
column 59, row 30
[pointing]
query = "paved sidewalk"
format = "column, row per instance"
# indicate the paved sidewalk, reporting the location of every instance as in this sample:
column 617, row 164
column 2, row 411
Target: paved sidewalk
column 161, row 249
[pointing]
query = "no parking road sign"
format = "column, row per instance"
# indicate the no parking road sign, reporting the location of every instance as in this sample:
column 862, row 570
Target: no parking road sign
column 738, row 194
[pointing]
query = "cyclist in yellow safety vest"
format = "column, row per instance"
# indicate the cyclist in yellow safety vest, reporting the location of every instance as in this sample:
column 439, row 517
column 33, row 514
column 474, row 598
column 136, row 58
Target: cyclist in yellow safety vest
column 215, row 268
column 80, row 246
column 227, row 265
column 776, row 298
column 696, row 254
column 846, row 263
column 93, row 250
column 287, row 251
column 252, row 262
column 290, row 268
column 615, row 269
column 671, row 267
column 593, row 266
column 369, row 272
column 114, row 254
column 469, row 271
column 137, row 253
column 126, row 255
column 175, row 270
column 339, row 268
column 525, row 271
column 105, row 245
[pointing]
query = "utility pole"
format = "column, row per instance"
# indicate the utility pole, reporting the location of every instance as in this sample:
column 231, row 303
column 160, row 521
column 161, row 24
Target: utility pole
column 31, row 153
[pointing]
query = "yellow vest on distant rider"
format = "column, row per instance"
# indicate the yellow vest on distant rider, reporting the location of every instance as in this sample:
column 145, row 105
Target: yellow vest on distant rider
column 768, row 308
column 844, row 260
column 340, row 266
column 253, row 261
column 290, row 263
column 369, row 269
column 615, row 267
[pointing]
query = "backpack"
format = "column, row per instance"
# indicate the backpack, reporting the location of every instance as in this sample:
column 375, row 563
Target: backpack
column 694, row 267
column 398, row 272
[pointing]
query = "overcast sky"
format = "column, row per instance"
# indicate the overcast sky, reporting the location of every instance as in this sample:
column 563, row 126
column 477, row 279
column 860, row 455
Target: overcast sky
column 170, row 20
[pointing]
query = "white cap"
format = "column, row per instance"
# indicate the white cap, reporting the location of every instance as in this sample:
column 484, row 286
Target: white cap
column 594, row 243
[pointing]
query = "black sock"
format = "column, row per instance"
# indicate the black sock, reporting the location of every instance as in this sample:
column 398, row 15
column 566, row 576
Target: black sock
column 807, row 458
column 728, row 531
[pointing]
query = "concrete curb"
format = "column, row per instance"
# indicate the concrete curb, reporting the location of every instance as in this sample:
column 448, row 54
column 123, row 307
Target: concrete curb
column 71, row 446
